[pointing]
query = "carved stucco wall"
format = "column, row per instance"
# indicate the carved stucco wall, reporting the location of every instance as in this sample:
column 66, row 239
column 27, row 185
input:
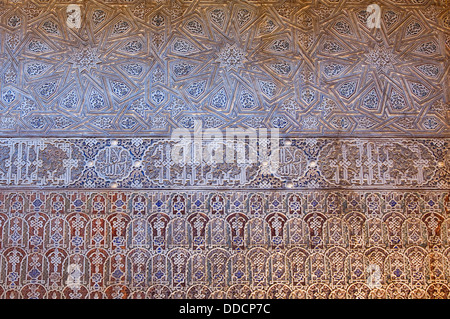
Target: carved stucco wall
column 359, row 205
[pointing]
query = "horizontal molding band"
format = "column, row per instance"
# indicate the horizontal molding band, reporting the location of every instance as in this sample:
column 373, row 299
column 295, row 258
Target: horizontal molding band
column 295, row 163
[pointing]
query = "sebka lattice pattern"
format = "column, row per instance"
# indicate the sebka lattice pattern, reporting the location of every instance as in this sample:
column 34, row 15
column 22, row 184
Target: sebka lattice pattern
column 168, row 244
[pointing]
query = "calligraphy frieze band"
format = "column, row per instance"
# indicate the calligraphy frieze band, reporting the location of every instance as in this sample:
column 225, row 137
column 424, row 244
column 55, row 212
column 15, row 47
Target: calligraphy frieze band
column 136, row 163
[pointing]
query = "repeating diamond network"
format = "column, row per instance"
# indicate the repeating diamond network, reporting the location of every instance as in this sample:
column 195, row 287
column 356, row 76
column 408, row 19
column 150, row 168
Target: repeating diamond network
column 225, row 244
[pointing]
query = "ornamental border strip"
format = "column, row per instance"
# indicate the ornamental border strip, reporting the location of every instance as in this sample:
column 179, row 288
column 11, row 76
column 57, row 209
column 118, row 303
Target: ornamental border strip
column 307, row 163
